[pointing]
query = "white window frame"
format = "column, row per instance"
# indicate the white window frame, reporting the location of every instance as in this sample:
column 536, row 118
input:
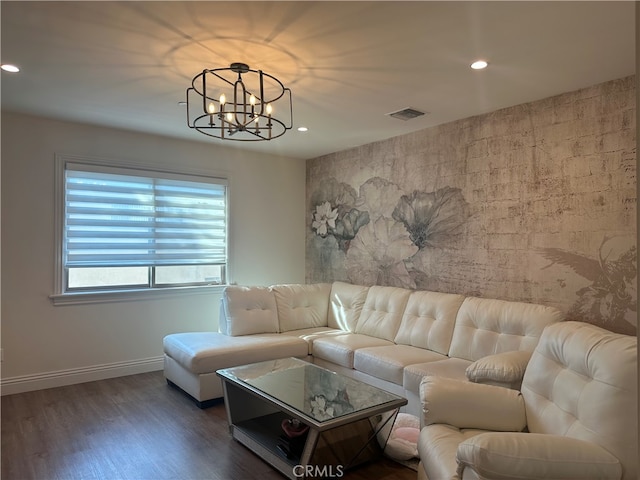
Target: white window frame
column 62, row 297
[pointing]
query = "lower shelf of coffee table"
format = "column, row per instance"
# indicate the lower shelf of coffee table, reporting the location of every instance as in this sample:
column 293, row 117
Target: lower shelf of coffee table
column 261, row 435
column 331, row 450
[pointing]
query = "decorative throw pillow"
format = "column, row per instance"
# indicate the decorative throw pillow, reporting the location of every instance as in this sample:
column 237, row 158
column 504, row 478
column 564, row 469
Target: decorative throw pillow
column 506, row 367
column 402, row 443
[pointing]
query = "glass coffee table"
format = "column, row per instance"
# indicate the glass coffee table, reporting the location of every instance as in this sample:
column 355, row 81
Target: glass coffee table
column 305, row 420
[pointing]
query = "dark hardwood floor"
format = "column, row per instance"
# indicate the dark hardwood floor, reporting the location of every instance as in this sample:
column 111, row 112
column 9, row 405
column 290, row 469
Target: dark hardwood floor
column 132, row 428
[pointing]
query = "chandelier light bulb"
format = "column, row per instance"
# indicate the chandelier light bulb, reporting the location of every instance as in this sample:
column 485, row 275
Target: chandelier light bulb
column 269, row 109
column 252, row 99
column 212, row 108
column 229, row 116
column 223, row 99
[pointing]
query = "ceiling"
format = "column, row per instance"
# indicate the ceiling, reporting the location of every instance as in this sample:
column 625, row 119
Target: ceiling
column 348, row 64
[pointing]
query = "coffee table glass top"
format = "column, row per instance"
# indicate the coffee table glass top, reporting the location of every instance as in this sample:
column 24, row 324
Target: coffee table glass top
column 314, row 391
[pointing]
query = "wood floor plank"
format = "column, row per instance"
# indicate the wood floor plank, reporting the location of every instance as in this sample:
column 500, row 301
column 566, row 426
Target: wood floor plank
column 132, row 428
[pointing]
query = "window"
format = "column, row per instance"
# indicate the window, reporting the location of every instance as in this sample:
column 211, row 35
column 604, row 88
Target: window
column 133, row 229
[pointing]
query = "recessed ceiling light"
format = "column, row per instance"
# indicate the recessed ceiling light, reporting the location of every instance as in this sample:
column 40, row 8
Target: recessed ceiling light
column 479, row 65
column 9, row 68
column 303, row 129
column 182, row 104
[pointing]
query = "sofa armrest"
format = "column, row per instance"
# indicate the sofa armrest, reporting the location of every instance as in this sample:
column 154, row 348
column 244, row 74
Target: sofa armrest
column 505, row 456
column 471, row 405
column 504, row 368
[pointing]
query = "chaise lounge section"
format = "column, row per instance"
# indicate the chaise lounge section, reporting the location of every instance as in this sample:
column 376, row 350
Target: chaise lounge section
column 386, row 336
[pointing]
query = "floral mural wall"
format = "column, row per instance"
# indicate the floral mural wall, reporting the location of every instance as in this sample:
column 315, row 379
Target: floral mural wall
column 532, row 203
column 378, row 239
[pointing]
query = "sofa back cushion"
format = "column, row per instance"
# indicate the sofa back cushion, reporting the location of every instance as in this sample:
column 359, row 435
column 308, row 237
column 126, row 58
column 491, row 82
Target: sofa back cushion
column 428, row 320
column 302, row 306
column 382, row 312
column 248, row 311
column 345, row 305
column 582, row 382
column 486, row 327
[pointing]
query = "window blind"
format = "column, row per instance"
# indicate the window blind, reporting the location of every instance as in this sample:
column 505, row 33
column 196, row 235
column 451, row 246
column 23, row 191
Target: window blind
column 120, row 220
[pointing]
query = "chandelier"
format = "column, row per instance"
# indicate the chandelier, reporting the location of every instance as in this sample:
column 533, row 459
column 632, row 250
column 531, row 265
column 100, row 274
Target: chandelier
column 238, row 103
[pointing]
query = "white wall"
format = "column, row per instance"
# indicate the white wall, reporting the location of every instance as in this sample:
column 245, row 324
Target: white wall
column 46, row 345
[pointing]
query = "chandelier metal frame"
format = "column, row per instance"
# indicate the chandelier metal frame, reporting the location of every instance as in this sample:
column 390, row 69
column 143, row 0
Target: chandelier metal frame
column 247, row 115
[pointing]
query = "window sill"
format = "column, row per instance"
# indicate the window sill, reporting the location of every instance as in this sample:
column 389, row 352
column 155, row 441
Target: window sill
column 77, row 298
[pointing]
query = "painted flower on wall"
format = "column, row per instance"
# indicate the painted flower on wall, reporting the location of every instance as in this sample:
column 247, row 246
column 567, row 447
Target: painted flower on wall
column 382, row 228
column 324, row 219
column 335, row 213
column 378, row 196
column 377, row 255
column 432, row 218
column 610, row 300
column 347, row 226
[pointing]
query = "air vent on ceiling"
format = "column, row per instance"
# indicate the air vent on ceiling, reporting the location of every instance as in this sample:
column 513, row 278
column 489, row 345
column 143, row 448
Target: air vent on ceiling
column 406, row 114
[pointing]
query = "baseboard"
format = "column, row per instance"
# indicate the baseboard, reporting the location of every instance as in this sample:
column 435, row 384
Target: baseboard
column 60, row 378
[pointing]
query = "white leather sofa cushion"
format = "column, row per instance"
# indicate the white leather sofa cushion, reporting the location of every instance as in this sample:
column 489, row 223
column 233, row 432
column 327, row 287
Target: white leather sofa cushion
column 302, row 306
column 311, row 334
column 582, row 382
column 382, row 312
column 505, row 456
column 388, row 362
column 247, row 311
column 340, row 349
column 345, row 305
column 486, row 326
column 448, row 367
column 206, row 352
column 428, row 320
column 437, row 446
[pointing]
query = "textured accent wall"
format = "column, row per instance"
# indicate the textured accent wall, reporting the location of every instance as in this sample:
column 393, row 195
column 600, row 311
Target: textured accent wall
column 533, row 203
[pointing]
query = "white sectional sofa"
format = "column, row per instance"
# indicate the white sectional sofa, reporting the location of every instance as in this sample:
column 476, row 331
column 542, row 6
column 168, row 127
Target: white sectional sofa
column 575, row 416
column 386, row 336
